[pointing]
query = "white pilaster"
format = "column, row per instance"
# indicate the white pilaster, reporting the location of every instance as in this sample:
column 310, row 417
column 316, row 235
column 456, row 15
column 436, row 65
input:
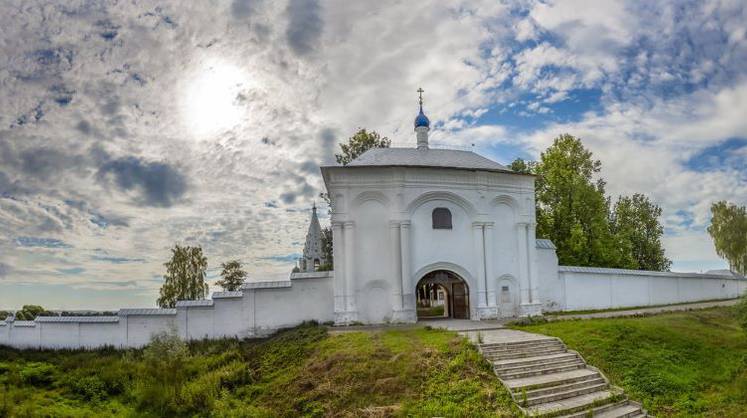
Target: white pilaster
column 489, row 271
column 529, row 301
column 350, row 305
column 396, row 269
column 479, row 251
column 339, row 267
column 521, row 232
column 408, row 287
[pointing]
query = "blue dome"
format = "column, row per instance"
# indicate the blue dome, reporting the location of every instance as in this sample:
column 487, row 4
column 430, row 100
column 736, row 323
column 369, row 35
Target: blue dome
column 422, row 120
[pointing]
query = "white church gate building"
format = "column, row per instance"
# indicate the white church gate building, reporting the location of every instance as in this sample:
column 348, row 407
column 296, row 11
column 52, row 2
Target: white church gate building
column 402, row 218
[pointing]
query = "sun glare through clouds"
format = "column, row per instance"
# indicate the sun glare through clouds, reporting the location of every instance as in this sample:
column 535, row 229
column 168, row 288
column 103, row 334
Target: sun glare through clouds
column 212, row 99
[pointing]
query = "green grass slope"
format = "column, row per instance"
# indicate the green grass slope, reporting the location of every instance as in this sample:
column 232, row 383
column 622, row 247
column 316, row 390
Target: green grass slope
column 299, row 372
column 678, row 364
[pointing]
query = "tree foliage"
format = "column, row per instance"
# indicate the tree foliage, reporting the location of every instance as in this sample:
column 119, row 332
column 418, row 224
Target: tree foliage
column 232, row 275
column 359, row 143
column 729, row 232
column 185, row 276
column 327, row 249
column 30, row 312
column 635, row 225
column 573, row 212
column 572, row 209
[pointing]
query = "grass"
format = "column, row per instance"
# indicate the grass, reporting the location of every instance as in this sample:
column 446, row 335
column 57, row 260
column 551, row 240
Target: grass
column 681, row 364
column 300, row 372
column 630, row 308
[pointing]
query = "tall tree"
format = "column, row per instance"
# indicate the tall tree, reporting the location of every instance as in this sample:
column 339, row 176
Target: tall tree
column 232, row 276
column 185, row 276
column 327, row 249
column 359, row 143
column 729, row 232
column 635, row 224
column 572, row 209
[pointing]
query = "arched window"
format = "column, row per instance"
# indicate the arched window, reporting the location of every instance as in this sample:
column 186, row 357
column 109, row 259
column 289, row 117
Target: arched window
column 441, row 218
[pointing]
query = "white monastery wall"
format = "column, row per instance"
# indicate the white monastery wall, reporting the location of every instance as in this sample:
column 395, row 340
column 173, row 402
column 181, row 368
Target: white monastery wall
column 582, row 288
column 258, row 309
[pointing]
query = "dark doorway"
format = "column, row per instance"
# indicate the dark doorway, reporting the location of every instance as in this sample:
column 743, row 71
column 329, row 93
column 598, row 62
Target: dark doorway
column 442, row 294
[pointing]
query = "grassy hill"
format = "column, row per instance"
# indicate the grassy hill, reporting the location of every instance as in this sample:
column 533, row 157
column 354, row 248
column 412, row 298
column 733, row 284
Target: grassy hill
column 303, row 371
column 681, row 364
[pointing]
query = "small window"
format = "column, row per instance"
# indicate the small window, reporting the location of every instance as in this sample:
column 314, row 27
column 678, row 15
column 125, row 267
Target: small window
column 504, row 289
column 441, row 218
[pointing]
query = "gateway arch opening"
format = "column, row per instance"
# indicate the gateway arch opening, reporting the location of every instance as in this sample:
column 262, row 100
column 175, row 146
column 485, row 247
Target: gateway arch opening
column 442, row 294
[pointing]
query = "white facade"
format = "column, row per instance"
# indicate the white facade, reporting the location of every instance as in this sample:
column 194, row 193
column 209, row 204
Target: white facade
column 384, row 240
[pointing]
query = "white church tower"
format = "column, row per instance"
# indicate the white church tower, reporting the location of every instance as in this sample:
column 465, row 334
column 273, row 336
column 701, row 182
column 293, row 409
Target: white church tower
column 313, row 254
column 412, row 222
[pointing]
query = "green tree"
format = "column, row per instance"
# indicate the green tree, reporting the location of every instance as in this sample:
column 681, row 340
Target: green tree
column 232, row 275
column 521, row 166
column 359, row 143
column 572, row 209
column 30, row 312
column 729, row 232
column 327, row 249
column 185, row 276
column 635, row 224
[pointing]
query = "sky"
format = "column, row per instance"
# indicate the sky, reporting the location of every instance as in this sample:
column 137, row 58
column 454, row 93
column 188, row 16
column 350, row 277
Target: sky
column 129, row 126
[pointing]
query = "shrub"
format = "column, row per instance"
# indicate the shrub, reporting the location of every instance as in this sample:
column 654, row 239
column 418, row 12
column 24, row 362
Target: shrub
column 742, row 312
column 89, row 388
column 38, row 374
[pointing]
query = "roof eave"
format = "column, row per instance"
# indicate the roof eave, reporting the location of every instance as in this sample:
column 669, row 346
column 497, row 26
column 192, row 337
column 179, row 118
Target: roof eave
column 338, row 167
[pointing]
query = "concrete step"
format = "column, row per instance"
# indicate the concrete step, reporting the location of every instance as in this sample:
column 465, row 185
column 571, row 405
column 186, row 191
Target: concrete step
column 542, row 370
column 513, row 347
column 551, row 380
column 623, row 409
column 524, row 353
column 570, row 393
column 526, row 361
column 572, row 405
column 537, row 340
column 563, row 385
column 550, row 363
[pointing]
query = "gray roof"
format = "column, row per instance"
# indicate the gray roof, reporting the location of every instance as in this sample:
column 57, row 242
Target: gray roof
column 545, row 244
column 78, row 319
column 413, row 157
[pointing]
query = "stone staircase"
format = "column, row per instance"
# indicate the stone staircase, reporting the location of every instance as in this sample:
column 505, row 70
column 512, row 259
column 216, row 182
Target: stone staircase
column 548, row 380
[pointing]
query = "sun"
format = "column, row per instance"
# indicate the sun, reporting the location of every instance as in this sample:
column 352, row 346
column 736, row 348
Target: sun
column 211, row 102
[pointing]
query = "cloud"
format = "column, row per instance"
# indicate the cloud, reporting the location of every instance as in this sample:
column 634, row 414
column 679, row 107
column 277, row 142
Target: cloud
column 158, row 184
column 304, row 25
column 4, row 270
column 94, row 134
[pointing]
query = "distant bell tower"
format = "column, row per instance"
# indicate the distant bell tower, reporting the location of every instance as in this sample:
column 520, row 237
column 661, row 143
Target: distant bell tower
column 422, row 125
column 313, row 254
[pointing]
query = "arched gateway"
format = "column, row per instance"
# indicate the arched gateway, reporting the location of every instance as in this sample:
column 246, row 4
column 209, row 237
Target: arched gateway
column 442, row 294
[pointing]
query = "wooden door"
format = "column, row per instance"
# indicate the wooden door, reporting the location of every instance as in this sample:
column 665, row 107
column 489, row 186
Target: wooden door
column 460, row 301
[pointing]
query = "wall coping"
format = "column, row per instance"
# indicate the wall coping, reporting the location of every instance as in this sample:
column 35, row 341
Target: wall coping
column 627, row 272
column 312, row 275
column 146, row 311
column 79, row 319
column 228, row 294
column 194, row 303
column 29, row 324
column 266, row 285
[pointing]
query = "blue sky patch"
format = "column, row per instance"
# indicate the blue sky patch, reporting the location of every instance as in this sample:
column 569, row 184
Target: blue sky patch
column 41, row 242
